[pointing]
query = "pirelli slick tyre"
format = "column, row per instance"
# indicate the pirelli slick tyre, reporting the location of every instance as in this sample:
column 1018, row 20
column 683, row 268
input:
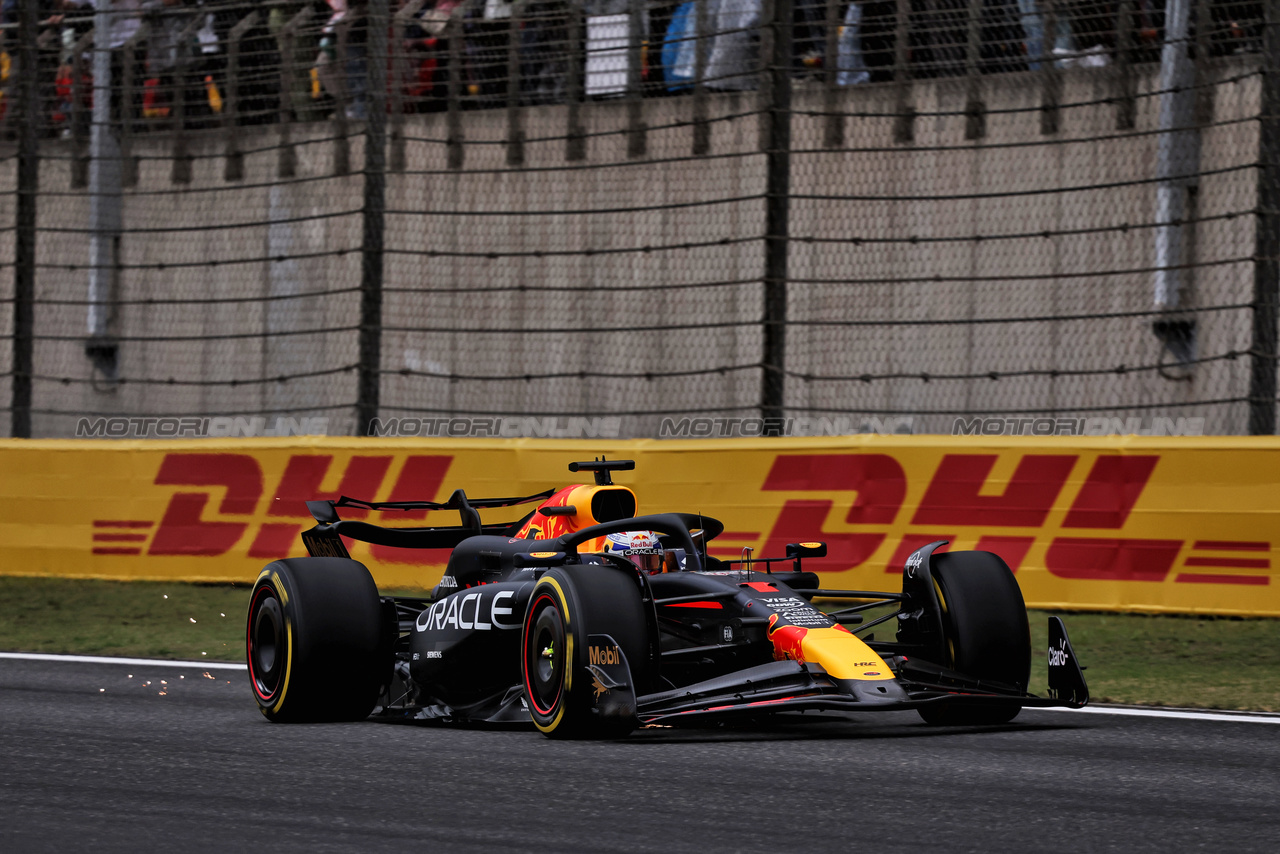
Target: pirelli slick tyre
column 314, row 640
column 984, row 619
column 568, row 606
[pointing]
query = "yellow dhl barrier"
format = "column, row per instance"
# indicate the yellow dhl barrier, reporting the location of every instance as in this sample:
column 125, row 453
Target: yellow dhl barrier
column 1117, row 523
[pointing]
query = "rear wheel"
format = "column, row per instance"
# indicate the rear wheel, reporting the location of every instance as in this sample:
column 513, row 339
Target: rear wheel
column 314, row 641
column 569, row 605
column 984, row 619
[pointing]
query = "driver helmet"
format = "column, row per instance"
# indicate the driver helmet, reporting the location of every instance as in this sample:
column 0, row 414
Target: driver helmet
column 640, row 547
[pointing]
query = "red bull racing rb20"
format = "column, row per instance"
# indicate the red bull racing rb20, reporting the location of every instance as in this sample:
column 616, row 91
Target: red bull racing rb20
column 590, row 621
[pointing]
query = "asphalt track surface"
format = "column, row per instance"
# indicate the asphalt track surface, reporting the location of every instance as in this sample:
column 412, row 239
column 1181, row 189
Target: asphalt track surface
column 91, row 759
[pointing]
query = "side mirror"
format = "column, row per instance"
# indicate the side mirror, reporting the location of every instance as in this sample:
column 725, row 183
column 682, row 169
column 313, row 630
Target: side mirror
column 795, row 550
column 674, row 560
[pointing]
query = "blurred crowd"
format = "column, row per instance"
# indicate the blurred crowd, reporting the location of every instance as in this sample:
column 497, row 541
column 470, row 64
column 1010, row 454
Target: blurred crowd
column 172, row 58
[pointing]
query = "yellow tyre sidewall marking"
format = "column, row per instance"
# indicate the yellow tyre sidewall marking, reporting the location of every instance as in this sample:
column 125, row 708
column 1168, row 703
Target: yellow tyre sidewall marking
column 288, row 666
column 288, row 625
column 568, row 653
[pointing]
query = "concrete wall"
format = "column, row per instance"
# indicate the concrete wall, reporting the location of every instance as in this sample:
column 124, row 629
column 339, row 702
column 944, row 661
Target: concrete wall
column 1072, row 236
column 517, row 274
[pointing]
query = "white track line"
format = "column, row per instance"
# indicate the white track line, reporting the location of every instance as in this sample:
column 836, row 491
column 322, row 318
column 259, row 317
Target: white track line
column 106, row 659
column 1181, row 714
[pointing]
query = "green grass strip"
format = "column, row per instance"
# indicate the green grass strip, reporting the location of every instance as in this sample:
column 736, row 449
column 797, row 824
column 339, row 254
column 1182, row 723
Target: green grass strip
column 1197, row 662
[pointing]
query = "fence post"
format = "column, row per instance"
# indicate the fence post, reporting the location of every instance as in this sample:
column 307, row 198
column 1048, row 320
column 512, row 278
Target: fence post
column 904, row 126
column 1266, row 269
column 287, row 165
column 1051, row 78
column 181, row 173
column 343, row 100
column 129, row 53
column 636, row 129
column 833, row 133
column 7, row 83
column 1205, row 90
column 1126, row 86
column 80, row 157
column 454, row 136
column 975, row 111
column 701, row 55
column 515, row 129
column 24, row 256
column 777, row 210
column 368, row 392
column 400, row 76
column 233, row 167
column 575, row 142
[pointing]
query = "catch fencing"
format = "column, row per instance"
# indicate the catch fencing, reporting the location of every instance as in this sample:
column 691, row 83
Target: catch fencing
column 611, row 219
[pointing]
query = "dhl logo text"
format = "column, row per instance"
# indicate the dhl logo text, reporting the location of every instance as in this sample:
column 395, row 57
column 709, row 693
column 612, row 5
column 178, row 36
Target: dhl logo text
column 861, row 504
column 185, row 528
column 1085, row 544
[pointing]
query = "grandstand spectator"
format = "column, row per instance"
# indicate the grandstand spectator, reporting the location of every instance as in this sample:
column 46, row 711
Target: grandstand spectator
column 1033, row 26
column 61, row 22
column 161, row 86
column 542, row 67
column 258, row 69
column 125, row 19
column 426, row 80
column 341, row 64
column 1012, row 36
column 809, row 34
column 851, row 66
column 734, row 62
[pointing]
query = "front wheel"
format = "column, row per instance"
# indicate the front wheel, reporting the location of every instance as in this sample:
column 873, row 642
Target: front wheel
column 585, row 652
column 984, row 620
column 314, row 641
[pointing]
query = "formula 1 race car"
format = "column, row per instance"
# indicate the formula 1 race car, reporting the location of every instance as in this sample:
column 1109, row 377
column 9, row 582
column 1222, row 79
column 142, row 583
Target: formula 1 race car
column 591, row 621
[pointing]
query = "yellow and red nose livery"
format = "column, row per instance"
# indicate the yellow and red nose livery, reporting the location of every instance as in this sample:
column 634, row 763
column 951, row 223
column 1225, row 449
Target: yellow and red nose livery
column 837, row 650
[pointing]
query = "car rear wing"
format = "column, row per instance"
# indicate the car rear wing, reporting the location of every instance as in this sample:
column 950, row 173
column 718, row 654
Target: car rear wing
column 327, row 511
column 325, row 539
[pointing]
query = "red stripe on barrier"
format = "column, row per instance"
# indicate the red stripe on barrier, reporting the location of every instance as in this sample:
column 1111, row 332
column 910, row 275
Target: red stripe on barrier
column 125, row 523
column 1213, row 578
column 1238, row 562
column 104, row 550
column 1232, row 546
column 1114, row 485
column 119, row 538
